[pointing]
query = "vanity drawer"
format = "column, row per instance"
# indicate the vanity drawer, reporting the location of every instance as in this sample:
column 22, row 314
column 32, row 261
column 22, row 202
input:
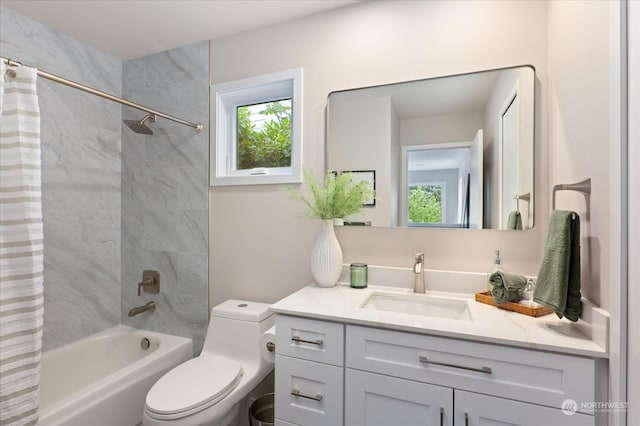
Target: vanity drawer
column 308, row 393
column 314, row 340
column 525, row 375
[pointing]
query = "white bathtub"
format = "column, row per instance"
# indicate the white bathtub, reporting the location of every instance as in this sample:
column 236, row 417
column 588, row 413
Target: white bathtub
column 102, row 380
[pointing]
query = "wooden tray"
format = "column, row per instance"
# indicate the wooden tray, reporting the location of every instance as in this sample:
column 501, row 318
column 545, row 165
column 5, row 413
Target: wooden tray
column 538, row 311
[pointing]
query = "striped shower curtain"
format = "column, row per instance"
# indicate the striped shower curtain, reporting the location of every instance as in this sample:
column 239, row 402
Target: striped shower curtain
column 21, row 247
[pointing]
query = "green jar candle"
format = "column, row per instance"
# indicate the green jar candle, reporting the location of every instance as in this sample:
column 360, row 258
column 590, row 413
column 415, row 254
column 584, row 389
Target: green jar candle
column 359, row 275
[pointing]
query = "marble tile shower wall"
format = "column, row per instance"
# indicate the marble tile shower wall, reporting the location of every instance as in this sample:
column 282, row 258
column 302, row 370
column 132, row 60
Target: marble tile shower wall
column 165, row 192
column 81, row 163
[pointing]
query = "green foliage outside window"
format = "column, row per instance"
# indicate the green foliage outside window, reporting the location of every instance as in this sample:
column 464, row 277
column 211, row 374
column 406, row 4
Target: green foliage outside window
column 266, row 145
column 425, row 204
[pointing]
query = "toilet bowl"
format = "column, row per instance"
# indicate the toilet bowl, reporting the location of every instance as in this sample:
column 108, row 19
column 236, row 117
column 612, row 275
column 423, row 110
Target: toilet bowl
column 209, row 389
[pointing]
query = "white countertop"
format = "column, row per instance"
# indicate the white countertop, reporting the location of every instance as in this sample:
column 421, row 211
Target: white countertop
column 488, row 324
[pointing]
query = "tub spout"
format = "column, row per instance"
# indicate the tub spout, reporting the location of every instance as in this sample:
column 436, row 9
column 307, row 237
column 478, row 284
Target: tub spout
column 149, row 307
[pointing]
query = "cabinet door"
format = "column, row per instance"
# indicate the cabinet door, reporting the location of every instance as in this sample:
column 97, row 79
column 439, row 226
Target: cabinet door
column 373, row 399
column 473, row 409
column 308, row 393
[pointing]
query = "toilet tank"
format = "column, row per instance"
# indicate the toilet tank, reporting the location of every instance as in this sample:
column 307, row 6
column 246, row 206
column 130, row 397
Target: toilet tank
column 235, row 328
column 241, row 310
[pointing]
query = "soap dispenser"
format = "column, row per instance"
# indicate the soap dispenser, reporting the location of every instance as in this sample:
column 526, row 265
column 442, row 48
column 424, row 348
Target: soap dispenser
column 527, row 294
column 497, row 266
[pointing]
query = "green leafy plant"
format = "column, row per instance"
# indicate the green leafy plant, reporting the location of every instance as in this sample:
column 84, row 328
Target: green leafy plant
column 338, row 198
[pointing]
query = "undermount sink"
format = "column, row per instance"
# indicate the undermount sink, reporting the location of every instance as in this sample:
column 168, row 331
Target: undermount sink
column 419, row 304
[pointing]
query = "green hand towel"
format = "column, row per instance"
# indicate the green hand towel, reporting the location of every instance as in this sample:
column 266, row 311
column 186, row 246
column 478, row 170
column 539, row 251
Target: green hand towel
column 558, row 285
column 506, row 286
column 515, row 221
column 502, row 295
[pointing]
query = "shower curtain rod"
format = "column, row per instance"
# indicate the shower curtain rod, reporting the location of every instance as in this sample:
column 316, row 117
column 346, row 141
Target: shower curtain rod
column 105, row 95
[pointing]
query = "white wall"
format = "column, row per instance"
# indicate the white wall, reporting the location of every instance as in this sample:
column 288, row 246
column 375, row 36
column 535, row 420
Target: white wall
column 443, row 128
column 580, row 60
column 492, row 160
column 633, row 358
column 395, row 168
column 258, row 250
column 579, row 128
column 362, row 140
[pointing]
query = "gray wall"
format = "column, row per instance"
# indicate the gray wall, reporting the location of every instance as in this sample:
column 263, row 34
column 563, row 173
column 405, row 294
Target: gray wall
column 102, row 225
column 165, row 192
column 81, row 150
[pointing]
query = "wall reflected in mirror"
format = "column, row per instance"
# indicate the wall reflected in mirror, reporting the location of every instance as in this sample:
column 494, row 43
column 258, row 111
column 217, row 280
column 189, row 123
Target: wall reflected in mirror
column 453, row 151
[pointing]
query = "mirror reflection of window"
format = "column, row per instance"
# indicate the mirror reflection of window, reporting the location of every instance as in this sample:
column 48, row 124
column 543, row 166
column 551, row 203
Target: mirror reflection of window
column 426, row 205
column 437, row 185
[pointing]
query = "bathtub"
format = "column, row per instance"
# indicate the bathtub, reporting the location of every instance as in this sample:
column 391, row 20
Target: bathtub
column 103, row 379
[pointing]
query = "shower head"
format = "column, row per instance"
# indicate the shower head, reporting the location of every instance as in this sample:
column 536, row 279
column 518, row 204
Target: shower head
column 139, row 126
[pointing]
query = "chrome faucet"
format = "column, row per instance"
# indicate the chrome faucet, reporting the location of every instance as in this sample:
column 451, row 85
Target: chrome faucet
column 149, row 307
column 418, row 273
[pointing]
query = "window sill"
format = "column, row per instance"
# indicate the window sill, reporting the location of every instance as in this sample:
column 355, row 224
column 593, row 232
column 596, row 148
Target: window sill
column 263, row 179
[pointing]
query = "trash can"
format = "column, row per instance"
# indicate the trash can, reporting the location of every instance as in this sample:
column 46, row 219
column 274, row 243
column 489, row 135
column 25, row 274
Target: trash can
column 262, row 411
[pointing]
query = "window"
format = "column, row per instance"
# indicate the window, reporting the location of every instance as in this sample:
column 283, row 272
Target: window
column 263, row 135
column 426, row 204
column 258, row 125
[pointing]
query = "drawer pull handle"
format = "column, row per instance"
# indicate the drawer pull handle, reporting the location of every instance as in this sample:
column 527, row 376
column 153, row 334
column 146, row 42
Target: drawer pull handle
column 296, row 392
column 313, row 342
column 441, row 416
column 466, row 419
column 486, row 370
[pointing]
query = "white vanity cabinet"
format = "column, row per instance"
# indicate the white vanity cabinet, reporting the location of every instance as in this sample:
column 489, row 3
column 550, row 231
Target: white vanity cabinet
column 376, row 399
column 329, row 374
column 309, row 379
column 473, row 409
column 485, row 383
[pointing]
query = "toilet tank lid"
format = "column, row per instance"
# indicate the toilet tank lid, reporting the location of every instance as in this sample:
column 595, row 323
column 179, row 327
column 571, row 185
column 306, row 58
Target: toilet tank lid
column 242, row 310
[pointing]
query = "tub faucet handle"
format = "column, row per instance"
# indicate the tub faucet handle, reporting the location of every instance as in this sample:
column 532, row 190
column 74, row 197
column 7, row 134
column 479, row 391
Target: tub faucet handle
column 150, row 282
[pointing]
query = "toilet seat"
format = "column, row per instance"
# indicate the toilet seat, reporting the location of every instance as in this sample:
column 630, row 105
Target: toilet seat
column 193, row 386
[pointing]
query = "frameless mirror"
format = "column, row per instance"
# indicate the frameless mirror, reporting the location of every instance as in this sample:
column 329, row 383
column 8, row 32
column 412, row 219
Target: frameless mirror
column 453, row 151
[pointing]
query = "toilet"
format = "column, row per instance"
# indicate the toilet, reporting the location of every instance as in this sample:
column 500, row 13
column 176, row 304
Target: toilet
column 210, row 388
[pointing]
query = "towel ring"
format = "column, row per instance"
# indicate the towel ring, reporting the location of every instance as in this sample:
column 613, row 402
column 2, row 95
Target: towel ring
column 525, row 197
column 583, row 186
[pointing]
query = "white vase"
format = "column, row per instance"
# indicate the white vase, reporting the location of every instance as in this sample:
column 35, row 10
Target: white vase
column 326, row 257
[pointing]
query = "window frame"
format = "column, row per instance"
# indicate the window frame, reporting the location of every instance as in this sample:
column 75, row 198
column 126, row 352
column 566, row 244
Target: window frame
column 225, row 99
